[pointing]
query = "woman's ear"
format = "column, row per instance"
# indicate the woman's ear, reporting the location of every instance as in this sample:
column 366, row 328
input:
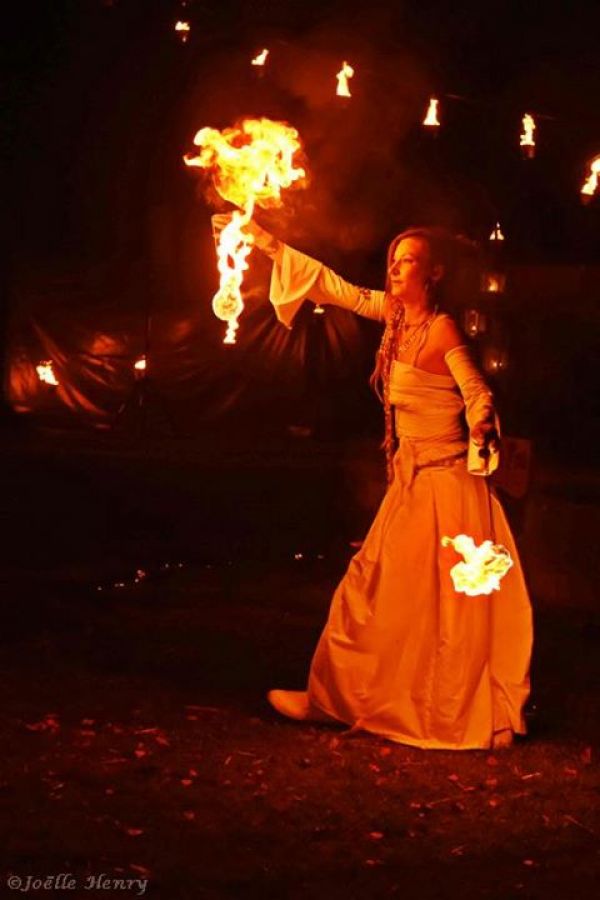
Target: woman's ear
column 437, row 273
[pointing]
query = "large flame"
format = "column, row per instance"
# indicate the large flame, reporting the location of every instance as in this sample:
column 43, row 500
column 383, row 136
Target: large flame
column 527, row 139
column 250, row 165
column 591, row 183
column 431, row 119
column 346, row 72
column 483, row 567
column 45, row 372
column 261, row 59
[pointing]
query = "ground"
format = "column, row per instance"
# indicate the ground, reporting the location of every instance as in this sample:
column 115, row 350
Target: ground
column 138, row 743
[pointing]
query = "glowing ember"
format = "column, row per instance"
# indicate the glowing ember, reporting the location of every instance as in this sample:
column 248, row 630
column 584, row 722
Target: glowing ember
column 45, row 372
column 591, row 183
column 483, row 567
column 527, row 139
column 431, row 120
column 342, row 76
column 250, row 164
column 261, row 59
column 140, row 364
column 183, row 29
column 496, row 234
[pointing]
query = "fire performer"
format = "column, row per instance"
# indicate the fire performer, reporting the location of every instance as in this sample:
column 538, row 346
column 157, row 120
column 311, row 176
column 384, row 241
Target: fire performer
column 403, row 654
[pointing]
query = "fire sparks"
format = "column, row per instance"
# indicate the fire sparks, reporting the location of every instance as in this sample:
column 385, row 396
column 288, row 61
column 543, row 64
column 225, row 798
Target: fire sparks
column 261, row 59
column 483, row 567
column 497, row 234
column 250, row 165
column 346, row 72
column 590, row 185
column 183, row 30
column 431, row 119
column 527, row 139
column 45, row 372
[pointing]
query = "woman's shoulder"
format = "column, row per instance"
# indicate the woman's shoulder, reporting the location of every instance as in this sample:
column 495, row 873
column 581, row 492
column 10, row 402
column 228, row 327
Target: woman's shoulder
column 446, row 333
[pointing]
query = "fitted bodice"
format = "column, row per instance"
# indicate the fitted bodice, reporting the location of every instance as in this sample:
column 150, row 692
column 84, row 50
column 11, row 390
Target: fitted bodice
column 426, row 405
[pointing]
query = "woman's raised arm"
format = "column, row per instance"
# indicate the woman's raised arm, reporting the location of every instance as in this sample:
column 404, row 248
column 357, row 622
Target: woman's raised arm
column 297, row 277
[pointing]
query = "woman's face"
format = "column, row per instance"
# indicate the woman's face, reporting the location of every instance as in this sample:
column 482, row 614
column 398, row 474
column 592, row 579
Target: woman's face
column 411, row 268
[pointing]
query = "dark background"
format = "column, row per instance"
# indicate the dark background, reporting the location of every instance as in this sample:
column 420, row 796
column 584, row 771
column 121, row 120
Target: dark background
column 107, row 230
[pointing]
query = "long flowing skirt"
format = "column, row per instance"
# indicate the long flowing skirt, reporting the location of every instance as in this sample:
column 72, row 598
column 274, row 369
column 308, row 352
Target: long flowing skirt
column 403, row 654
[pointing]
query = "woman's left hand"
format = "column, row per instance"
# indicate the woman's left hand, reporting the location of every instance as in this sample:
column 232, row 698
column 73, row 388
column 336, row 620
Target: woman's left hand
column 486, row 436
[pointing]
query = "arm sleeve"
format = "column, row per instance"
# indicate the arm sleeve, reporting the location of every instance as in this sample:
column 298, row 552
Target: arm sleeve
column 297, row 277
column 479, row 401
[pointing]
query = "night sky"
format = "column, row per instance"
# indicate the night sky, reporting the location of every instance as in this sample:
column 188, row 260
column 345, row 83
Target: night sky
column 103, row 100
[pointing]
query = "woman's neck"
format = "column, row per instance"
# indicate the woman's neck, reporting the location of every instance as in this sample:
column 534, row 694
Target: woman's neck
column 416, row 311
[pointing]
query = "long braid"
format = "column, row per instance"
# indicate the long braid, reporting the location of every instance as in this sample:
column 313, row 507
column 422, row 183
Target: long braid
column 380, row 382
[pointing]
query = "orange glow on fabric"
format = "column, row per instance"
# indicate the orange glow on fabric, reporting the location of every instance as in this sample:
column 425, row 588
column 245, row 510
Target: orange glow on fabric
column 45, row 373
column 345, row 73
column 250, row 164
column 482, row 568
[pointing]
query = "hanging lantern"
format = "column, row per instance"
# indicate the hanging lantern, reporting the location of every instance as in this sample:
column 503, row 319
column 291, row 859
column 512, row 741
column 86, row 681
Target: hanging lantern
column 431, row 120
column 45, row 372
column 495, row 360
column 346, row 72
column 590, row 186
column 493, row 282
column 496, row 234
column 527, row 139
column 474, row 322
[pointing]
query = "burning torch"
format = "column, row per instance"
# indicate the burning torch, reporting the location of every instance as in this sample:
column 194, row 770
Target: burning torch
column 250, row 165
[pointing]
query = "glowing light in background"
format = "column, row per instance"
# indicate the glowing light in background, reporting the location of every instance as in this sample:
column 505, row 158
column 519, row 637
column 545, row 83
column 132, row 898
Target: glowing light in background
column 431, row 119
column 497, row 234
column 261, row 59
column 527, row 139
column 45, row 372
column 140, row 365
column 483, row 567
column 590, row 186
column 343, row 88
column 183, row 30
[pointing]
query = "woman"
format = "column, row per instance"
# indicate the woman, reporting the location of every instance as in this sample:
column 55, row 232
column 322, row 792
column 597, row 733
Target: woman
column 403, row 655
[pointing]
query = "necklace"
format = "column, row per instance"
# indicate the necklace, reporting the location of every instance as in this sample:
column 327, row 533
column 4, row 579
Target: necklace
column 420, row 329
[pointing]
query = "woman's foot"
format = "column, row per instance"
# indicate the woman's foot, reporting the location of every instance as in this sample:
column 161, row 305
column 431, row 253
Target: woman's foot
column 296, row 705
column 503, row 739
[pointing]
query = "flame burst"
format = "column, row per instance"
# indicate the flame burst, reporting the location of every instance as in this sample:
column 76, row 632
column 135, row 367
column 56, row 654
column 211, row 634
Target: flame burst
column 483, row 567
column 45, row 372
column 591, row 183
column 527, row 139
column 261, row 59
column 250, row 164
column 346, row 72
column 431, row 119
